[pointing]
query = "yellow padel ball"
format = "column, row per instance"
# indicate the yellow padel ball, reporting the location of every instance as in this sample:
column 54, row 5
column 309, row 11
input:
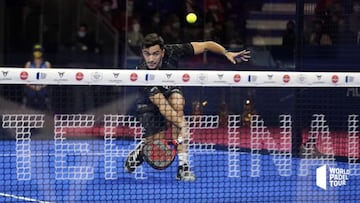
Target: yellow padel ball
column 191, row 17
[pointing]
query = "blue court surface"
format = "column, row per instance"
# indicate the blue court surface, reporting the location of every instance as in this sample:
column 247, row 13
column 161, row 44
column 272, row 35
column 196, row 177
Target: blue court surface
column 212, row 184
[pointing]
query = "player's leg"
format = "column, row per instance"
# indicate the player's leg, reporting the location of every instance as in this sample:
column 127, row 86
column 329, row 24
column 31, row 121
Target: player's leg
column 177, row 102
column 154, row 125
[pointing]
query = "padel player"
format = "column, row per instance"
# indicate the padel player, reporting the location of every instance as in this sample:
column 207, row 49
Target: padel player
column 161, row 104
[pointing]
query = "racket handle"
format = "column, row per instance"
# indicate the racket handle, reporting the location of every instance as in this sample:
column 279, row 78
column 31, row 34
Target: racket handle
column 178, row 141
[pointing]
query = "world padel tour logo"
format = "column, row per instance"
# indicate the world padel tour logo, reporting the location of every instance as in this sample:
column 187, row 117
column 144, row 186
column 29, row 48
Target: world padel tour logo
column 79, row 76
column 331, row 176
column 24, row 75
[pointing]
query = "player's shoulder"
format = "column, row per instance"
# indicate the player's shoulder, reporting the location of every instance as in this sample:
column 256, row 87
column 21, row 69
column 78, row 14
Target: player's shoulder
column 178, row 49
column 177, row 46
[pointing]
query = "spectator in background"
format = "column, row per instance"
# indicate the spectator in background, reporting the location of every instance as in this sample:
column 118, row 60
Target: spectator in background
column 214, row 11
column 152, row 24
column 209, row 30
column 36, row 96
column 288, row 43
column 322, row 8
column 319, row 36
column 135, row 38
column 223, row 112
column 289, row 36
column 334, row 22
column 84, row 44
column 106, row 8
column 354, row 20
column 171, row 30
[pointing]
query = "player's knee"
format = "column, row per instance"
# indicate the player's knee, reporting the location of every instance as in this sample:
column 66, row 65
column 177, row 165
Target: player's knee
column 177, row 101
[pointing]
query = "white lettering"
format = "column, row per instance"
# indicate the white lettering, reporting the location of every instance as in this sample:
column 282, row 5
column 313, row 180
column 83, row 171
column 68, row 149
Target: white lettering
column 260, row 137
column 282, row 158
column 63, row 149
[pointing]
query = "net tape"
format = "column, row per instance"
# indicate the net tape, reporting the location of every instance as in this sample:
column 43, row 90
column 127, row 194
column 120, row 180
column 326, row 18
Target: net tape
column 178, row 78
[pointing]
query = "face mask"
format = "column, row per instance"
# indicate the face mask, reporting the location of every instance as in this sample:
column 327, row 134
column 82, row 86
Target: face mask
column 106, row 8
column 156, row 19
column 136, row 27
column 81, row 34
column 37, row 54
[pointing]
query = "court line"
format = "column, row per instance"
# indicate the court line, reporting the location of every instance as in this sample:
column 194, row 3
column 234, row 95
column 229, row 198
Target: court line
column 22, row 198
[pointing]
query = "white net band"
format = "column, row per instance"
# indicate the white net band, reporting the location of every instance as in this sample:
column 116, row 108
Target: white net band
column 178, row 78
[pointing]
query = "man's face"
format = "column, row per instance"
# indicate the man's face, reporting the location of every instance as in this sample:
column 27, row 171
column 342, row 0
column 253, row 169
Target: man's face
column 153, row 56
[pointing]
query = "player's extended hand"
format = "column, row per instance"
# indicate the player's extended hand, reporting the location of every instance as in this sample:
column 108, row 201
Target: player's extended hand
column 235, row 57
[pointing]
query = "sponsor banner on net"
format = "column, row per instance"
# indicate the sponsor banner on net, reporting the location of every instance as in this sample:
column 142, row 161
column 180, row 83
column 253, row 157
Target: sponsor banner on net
column 326, row 79
column 352, row 78
column 331, row 177
column 255, row 78
column 178, row 77
column 6, row 75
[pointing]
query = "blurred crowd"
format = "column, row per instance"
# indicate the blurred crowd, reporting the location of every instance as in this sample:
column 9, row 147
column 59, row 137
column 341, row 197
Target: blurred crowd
column 335, row 22
column 218, row 20
column 223, row 21
column 332, row 22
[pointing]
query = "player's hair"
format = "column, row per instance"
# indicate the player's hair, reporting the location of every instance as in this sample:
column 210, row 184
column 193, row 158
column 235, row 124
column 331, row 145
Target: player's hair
column 153, row 39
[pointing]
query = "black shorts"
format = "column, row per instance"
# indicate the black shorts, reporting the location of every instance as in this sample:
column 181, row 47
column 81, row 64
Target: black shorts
column 153, row 123
column 150, row 117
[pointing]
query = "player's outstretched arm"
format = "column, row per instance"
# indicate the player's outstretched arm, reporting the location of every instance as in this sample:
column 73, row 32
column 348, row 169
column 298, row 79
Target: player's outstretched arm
column 201, row 47
column 167, row 111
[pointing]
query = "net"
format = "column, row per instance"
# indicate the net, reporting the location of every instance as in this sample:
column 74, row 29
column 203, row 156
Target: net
column 254, row 136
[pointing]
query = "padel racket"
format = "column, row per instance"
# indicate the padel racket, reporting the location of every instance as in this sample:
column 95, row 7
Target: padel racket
column 159, row 154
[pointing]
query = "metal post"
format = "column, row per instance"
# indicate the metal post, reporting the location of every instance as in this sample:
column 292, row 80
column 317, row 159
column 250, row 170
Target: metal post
column 298, row 56
column 204, row 27
column 299, row 35
column 2, row 34
column 60, row 13
column 41, row 23
column 126, row 34
column 116, row 50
